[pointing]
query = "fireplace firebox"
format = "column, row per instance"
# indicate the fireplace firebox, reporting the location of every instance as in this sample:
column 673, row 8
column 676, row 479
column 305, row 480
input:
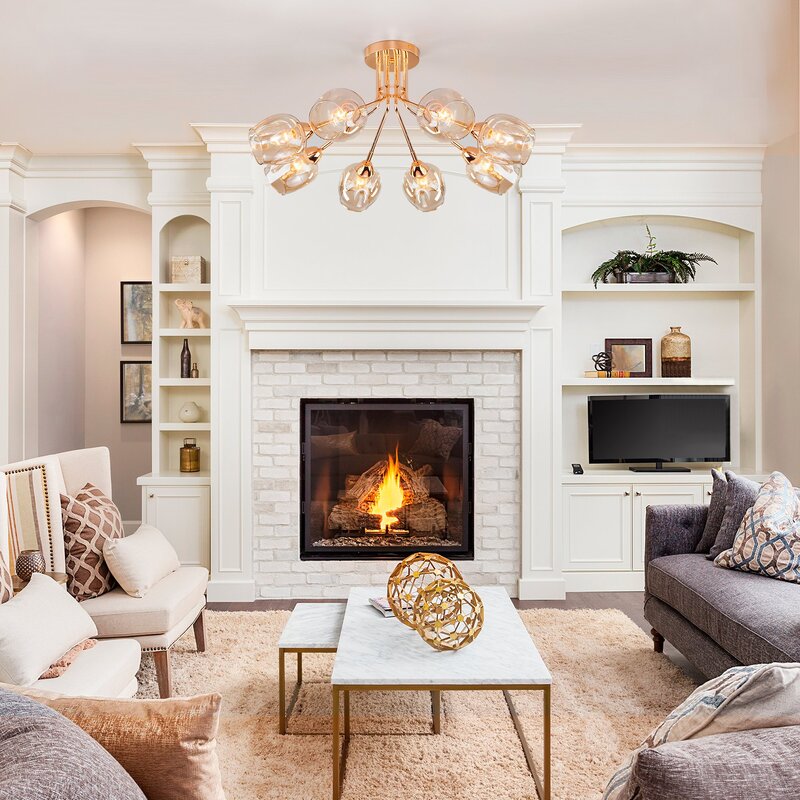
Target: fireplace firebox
column 384, row 478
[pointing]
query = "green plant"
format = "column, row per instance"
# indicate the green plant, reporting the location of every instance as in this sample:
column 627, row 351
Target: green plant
column 681, row 266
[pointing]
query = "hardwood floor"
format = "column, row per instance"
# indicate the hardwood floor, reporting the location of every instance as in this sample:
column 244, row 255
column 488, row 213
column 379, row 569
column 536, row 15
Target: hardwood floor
column 629, row 603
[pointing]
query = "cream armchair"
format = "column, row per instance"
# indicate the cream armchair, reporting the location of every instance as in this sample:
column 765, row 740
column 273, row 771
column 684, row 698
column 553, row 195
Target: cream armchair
column 155, row 621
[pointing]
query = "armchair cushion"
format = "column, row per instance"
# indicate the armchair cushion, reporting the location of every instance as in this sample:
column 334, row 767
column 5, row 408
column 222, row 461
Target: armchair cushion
column 141, row 560
column 167, row 603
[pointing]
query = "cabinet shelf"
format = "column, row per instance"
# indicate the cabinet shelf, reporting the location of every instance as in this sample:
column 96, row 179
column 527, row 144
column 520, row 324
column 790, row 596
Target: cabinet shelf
column 184, row 382
column 659, row 288
column 184, row 333
column 188, row 288
column 185, row 426
column 600, row 382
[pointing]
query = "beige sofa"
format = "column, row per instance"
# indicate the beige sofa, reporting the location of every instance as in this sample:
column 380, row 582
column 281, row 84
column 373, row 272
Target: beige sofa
column 153, row 622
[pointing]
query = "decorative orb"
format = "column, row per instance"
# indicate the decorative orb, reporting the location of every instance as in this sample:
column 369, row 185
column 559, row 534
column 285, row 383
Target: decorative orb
column 277, row 139
column 448, row 614
column 292, row 175
column 445, row 112
column 28, row 562
column 494, row 176
column 359, row 186
column 507, row 139
column 339, row 112
column 423, row 185
column 413, row 574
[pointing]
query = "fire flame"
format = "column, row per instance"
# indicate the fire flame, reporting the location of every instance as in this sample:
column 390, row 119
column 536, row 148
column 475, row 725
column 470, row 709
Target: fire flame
column 389, row 496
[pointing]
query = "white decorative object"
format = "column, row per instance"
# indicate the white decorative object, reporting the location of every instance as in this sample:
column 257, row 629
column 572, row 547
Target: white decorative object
column 187, row 269
column 191, row 317
column 189, row 412
column 141, row 560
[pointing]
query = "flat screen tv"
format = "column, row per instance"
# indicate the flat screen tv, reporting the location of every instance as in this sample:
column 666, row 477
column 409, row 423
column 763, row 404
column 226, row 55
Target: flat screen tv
column 659, row 428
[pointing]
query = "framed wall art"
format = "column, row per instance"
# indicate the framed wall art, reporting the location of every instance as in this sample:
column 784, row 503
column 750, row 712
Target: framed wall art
column 136, row 312
column 136, row 391
column 631, row 355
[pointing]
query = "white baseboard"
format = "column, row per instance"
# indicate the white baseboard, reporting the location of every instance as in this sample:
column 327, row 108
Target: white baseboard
column 604, row 581
column 542, row 588
column 241, row 591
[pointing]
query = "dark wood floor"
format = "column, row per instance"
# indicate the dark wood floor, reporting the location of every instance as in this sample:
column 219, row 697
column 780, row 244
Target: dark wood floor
column 629, row 603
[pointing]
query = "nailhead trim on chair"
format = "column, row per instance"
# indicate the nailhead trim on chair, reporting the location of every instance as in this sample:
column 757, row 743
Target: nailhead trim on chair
column 165, row 649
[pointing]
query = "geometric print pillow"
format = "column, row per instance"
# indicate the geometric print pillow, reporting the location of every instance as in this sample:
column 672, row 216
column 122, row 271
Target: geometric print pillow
column 90, row 519
column 768, row 540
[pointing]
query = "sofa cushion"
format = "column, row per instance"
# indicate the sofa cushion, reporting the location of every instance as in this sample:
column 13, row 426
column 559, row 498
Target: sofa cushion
column 752, row 617
column 139, row 561
column 716, row 511
column 6, row 584
column 45, row 756
column 90, row 519
column 172, row 598
column 730, row 766
column 740, row 495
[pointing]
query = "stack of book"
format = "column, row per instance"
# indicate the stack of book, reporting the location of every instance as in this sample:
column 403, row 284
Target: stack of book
column 614, row 373
column 382, row 605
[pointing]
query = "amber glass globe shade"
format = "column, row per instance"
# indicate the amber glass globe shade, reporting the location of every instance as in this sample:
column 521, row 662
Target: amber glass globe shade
column 445, row 112
column 494, row 176
column 507, row 139
column 423, row 185
column 277, row 138
column 290, row 176
column 359, row 186
column 337, row 113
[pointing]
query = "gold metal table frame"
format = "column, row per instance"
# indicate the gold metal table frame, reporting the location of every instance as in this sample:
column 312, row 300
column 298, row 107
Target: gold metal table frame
column 283, row 712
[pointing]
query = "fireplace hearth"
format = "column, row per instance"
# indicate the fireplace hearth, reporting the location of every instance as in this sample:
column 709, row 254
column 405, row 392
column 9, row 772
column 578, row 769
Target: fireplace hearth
column 384, row 478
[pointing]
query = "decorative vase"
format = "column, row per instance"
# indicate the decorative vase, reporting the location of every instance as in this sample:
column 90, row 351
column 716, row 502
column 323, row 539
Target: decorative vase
column 186, row 360
column 189, row 412
column 676, row 354
column 28, row 562
column 190, row 456
column 649, row 277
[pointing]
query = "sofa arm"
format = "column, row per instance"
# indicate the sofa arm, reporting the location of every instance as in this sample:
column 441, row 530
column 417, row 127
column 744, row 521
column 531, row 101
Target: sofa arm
column 672, row 530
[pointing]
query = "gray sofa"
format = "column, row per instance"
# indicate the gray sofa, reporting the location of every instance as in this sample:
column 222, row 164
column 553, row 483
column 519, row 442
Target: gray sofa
column 718, row 618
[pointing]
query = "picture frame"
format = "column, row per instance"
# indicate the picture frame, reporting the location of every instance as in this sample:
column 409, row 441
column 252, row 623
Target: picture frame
column 631, row 355
column 136, row 312
column 135, row 391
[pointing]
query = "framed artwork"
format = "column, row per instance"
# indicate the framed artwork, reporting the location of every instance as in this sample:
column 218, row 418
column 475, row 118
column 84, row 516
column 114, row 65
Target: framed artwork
column 632, row 355
column 136, row 391
column 136, row 312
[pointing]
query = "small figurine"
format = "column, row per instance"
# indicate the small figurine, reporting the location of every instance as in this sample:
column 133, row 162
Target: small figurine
column 602, row 362
column 191, row 317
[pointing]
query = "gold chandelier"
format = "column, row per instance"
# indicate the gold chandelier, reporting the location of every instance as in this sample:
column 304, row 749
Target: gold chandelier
column 282, row 143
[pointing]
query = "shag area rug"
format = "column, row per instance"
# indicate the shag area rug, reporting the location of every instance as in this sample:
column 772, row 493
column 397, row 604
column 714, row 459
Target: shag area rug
column 609, row 690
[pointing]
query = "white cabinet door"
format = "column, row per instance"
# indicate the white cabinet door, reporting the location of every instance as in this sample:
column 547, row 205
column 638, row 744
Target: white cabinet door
column 708, row 488
column 182, row 514
column 597, row 527
column 650, row 495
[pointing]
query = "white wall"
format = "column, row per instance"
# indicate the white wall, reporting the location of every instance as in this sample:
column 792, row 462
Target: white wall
column 117, row 249
column 61, row 288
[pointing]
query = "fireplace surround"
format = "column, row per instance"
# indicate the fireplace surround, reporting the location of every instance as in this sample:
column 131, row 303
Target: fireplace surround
column 382, row 478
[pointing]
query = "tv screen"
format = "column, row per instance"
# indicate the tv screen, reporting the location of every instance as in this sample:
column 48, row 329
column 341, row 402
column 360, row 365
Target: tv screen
column 659, row 427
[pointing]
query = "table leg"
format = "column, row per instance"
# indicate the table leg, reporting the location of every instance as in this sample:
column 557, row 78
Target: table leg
column 436, row 706
column 347, row 714
column 335, row 743
column 542, row 782
column 546, row 754
column 281, row 691
column 299, row 668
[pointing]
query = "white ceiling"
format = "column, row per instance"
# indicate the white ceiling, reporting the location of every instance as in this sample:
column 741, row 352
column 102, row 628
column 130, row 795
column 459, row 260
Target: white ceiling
column 96, row 75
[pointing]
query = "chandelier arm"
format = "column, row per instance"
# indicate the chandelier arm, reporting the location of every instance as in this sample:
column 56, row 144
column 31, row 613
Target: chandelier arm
column 405, row 133
column 377, row 135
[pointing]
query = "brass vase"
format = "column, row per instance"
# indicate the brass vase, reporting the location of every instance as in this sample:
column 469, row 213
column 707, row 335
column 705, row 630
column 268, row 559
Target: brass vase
column 676, row 354
column 190, row 456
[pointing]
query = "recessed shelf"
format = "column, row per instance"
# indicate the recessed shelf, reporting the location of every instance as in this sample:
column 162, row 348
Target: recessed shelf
column 600, row 382
column 659, row 288
column 181, row 333
column 169, row 477
column 185, row 426
column 182, row 382
column 188, row 288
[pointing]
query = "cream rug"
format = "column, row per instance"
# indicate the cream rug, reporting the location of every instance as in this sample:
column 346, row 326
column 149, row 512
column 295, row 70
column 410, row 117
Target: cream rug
column 609, row 690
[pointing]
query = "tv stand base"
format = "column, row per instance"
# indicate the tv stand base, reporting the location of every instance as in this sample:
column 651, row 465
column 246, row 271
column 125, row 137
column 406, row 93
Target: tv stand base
column 659, row 468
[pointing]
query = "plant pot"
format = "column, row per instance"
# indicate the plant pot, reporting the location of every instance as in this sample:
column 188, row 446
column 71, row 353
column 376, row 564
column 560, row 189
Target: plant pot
column 649, row 277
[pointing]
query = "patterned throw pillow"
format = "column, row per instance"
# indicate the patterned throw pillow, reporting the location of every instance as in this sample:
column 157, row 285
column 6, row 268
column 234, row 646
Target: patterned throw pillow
column 742, row 698
column 768, row 541
column 90, row 519
column 435, row 439
column 6, row 585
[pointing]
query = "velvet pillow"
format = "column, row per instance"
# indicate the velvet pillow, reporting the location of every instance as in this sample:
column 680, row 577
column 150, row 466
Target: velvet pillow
column 741, row 494
column 139, row 561
column 716, row 511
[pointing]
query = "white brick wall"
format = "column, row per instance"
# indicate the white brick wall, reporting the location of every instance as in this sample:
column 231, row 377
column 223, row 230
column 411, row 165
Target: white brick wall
column 281, row 379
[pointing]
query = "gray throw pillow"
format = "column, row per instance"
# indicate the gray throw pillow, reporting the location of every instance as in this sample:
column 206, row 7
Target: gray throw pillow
column 730, row 766
column 716, row 511
column 44, row 756
column 740, row 496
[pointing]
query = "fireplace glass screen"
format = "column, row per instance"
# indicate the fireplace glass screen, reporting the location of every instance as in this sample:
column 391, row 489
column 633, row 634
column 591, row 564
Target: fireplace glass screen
column 385, row 478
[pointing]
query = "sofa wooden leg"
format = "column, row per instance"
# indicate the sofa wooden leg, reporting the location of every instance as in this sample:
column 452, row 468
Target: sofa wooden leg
column 200, row 631
column 163, row 672
column 658, row 641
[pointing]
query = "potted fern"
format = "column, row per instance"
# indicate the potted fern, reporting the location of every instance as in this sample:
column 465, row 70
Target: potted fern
column 652, row 266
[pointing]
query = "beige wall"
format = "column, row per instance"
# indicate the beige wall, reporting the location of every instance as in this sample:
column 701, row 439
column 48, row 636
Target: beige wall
column 61, row 354
column 117, row 249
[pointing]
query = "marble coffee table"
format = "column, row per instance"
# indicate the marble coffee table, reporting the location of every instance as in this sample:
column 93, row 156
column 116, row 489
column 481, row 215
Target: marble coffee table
column 381, row 654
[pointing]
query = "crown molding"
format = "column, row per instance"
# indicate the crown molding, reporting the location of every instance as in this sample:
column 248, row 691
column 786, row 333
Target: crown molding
column 175, row 156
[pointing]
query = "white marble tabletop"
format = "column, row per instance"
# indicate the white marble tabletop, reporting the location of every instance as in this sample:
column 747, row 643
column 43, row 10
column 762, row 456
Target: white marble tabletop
column 377, row 650
column 313, row 626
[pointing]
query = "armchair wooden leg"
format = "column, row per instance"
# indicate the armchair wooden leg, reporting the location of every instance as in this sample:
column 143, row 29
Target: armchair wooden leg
column 658, row 641
column 163, row 672
column 200, row 631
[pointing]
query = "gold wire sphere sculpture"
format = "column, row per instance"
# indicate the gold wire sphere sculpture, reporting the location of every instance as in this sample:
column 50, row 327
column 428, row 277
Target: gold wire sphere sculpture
column 412, row 575
column 448, row 614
